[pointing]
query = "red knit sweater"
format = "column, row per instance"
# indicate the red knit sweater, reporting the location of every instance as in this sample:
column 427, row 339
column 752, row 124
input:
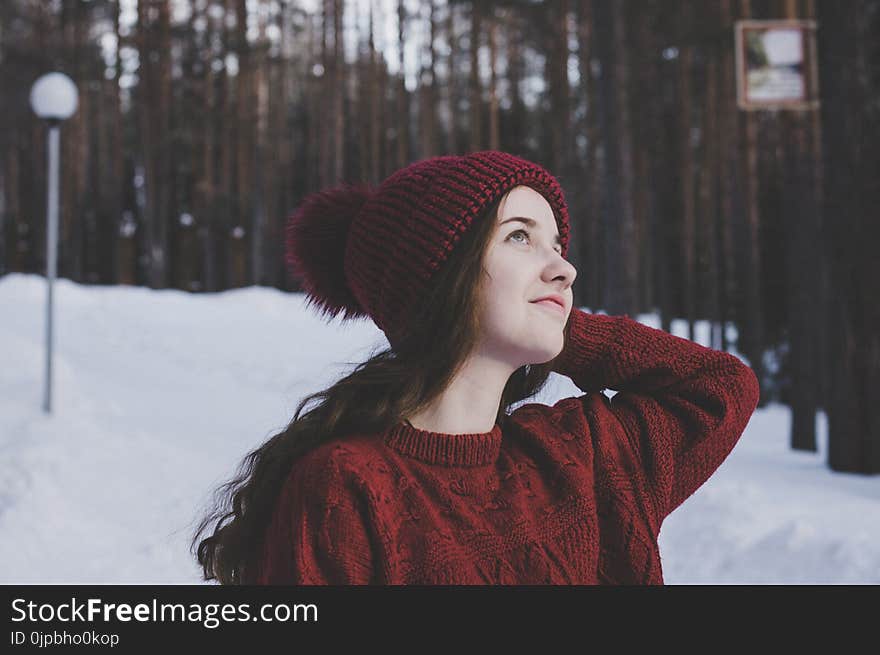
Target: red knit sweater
column 569, row 494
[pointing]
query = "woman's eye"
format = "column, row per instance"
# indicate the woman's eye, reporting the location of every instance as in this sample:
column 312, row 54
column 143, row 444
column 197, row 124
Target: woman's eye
column 559, row 250
column 518, row 232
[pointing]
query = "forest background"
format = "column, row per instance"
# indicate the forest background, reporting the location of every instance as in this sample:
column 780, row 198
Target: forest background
column 203, row 123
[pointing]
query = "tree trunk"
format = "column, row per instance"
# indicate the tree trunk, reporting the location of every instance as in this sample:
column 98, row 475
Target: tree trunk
column 647, row 103
column 751, row 342
column 513, row 135
column 707, row 216
column 556, row 73
column 622, row 267
column 476, row 91
column 452, row 142
column 686, row 165
column 428, row 90
column 801, row 227
column 851, row 197
column 592, row 252
column 377, row 95
column 728, row 178
column 402, row 113
column 494, row 137
column 338, row 93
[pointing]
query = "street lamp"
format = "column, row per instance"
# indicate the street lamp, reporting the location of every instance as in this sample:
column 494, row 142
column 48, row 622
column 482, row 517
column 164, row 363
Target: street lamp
column 54, row 98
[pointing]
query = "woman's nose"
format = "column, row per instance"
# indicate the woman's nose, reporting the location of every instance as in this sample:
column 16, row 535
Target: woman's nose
column 561, row 267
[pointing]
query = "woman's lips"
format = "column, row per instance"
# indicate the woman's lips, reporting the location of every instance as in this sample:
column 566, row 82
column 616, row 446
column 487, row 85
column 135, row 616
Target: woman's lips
column 552, row 305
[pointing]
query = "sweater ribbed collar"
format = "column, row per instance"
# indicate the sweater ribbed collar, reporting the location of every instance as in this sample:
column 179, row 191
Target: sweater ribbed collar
column 474, row 449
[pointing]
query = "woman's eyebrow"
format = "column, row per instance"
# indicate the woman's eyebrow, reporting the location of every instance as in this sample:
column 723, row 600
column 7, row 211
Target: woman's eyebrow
column 528, row 221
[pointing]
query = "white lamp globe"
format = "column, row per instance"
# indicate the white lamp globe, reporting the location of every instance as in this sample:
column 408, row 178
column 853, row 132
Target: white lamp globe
column 54, row 96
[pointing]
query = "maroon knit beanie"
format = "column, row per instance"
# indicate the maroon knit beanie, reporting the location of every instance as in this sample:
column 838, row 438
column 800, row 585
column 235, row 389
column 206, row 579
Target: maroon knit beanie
column 373, row 252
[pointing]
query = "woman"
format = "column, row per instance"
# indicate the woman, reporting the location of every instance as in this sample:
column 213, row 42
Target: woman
column 413, row 469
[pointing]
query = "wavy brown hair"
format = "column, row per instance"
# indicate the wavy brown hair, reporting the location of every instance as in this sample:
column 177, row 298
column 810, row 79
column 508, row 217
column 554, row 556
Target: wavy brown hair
column 379, row 393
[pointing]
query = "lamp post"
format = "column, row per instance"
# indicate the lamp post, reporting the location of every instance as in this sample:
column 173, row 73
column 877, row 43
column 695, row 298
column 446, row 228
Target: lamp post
column 54, row 98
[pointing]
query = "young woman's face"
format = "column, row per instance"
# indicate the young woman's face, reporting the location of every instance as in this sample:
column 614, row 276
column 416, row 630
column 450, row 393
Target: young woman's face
column 523, row 263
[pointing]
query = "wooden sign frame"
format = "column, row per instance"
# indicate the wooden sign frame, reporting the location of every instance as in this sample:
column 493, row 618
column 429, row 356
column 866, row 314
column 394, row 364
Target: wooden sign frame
column 792, row 82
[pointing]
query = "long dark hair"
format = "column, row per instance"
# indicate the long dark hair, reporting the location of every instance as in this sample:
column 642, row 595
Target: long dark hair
column 379, row 393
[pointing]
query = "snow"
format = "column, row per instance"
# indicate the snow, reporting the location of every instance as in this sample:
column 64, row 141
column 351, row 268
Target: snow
column 159, row 394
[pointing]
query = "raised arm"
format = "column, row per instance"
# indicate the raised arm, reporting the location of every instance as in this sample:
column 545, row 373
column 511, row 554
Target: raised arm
column 683, row 406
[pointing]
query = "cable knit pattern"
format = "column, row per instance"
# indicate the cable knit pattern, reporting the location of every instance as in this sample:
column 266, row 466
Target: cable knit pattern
column 569, row 494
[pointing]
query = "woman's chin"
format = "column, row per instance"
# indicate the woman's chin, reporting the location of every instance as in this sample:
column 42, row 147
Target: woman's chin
column 547, row 355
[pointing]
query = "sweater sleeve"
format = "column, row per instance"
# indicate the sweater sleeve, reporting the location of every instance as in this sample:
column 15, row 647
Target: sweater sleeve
column 329, row 526
column 682, row 406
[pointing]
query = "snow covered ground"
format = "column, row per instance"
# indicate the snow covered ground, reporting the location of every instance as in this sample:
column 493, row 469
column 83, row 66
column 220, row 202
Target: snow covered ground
column 159, row 394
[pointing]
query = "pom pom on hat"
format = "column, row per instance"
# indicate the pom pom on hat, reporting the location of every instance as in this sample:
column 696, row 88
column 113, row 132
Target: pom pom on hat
column 315, row 239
